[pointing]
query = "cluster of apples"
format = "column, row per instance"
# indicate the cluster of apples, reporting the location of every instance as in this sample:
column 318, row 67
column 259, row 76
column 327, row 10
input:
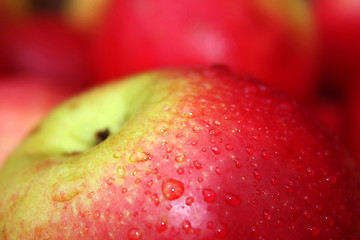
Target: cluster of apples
column 205, row 119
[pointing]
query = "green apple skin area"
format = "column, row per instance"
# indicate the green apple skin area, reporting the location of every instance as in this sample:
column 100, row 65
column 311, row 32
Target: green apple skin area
column 191, row 154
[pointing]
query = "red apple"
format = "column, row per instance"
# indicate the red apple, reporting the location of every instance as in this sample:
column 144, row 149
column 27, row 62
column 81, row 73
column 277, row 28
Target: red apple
column 339, row 36
column 45, row 47
column 272, row 40
column 354, row 120
column 24, row 101
column 180, row 154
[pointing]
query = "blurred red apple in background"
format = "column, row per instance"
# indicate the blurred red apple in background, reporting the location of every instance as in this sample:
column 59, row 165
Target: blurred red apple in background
column 47, row 48
column 354, row 120
column 23, row 102
column 339, row 37
column 272, row 40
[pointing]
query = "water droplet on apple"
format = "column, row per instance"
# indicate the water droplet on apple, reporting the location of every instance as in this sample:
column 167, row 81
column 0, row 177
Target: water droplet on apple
column 250, row 150
column 134, row 234
column 197, row 164
column 229, row 147
column 274, row 181
column 221, row 231
column 186, row 225
column 189, row 112
column 257, row 174
column 120, row 172
column 214, row 132
column 216, row 150
column 265, row 155
column 180, row 157
column 180, row 171
column 266, row 215
column 189, row 201
column 310, row 171
column 161, row 226
column 209, row 195
column 161, row 128
column 314, row 231
column 68, row 190
column 172, row 189
column 110, row 181
column 140, row 156
column 237, row 163
column 232, row 199
column 155, row 198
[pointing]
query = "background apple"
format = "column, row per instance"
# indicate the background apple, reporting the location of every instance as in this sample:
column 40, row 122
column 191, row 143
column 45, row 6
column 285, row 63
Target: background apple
column 338, row 24
column 45, row 47
column 180, row 154
column 354, row 120
column 270, row 40
column 23, row 103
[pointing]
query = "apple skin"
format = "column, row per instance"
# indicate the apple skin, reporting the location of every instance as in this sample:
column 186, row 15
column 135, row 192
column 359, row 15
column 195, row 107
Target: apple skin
column 338, row 24
column 269, row 40
column 24, row 101
column 46, row 47
column 191, row 154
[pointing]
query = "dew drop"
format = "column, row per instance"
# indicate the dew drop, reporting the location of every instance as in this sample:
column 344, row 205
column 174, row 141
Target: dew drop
column 66, row 191
column 214, row 132
column 221, row 231
column 197, row 164
column 216, row 150
column 110, row 181
column 274, row 181
column 172, row 188
column 237, row 163
column 289, row 187
column 250, row 150
column 209, row 195
column 186, row 225
column 232, row 199
column 265, row 155
column 266, row 215
column 155, row 198
column 161, row 226
column 161, row 128
column 180, row 158
column 314, row 231
column 120, row 172
column 188, row 112
column 310, row 172
column 140, row 156
column 180, row 171
column 229, row 147
column 257, row 174
column 329, row 220
column 217, row 171
column 189, row 201
column 134, row 234
column 150, row 183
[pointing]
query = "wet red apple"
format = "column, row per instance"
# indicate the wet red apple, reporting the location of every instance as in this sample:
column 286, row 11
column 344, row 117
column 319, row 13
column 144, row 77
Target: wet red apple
column 180, row 154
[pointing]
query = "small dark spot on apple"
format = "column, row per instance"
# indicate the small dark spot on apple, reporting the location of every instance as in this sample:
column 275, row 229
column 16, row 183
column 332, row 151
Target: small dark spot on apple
column 102, row 135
